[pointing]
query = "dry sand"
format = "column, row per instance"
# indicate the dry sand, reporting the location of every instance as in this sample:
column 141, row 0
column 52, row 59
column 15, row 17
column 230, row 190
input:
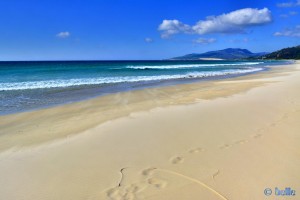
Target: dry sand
column 228, row 139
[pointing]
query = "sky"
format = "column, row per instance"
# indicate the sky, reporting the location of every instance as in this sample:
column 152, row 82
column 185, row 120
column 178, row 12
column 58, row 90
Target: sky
column 143, row 29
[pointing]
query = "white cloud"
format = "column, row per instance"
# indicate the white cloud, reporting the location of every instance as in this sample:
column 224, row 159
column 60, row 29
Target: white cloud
column 171, row 27
column 233, row 22
column 288, row 4
column 285, row 5
column 205, row 40
column 284, row 16
column 295, row 32
column 63, row 34
column 293, row 13
column 148, row 40
column 244, row 40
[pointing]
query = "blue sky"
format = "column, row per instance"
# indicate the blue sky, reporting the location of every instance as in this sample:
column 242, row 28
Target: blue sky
column 140, row 29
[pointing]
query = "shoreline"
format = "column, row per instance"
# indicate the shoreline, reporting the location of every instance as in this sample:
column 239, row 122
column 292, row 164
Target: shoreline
column 17, row 101
column 118, row 104
column 145, row 86
column 207, row 140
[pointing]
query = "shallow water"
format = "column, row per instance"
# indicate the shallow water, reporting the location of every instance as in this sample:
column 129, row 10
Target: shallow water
column 31, row 85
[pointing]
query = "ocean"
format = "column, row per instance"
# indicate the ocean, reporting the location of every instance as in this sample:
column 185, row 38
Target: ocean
column 30, row 85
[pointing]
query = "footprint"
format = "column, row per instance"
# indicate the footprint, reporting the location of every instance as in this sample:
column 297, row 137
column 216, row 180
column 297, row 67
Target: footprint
column 260, row 129
column 128, row 196
column 241, row 142
column 196, row 150
column 226, row 146
column 256, row 136
column 177, row 160
column 215, row 174
column 113, row 193
column 286, row 116
column 135, row 188
column 149, row 171
column 125, row 193
column 292, row 102
column 158, row 183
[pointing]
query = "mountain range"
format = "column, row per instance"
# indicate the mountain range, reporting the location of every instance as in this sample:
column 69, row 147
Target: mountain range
column 225, row 54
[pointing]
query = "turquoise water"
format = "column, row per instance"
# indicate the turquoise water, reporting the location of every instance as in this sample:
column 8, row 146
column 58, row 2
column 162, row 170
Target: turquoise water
column 31, row 85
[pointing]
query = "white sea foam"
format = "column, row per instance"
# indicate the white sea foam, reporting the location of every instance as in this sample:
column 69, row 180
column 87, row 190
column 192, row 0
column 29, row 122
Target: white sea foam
column 192, row 65
column 107, row 80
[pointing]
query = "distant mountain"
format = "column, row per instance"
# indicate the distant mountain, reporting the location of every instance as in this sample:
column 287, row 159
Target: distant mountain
column 226, row 54
column 287, row 53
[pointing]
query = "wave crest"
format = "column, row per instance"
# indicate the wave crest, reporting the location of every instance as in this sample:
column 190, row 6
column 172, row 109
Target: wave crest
column 192, row 65
column 110, row 80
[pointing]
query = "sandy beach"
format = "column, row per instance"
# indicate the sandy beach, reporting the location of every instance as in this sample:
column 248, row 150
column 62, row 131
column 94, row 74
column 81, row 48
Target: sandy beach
column 226, row 139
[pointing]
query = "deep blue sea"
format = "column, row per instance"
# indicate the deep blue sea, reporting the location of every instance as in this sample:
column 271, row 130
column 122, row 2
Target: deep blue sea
column 32, row 85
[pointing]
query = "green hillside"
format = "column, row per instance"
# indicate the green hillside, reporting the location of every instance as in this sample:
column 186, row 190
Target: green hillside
column 286, row 53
